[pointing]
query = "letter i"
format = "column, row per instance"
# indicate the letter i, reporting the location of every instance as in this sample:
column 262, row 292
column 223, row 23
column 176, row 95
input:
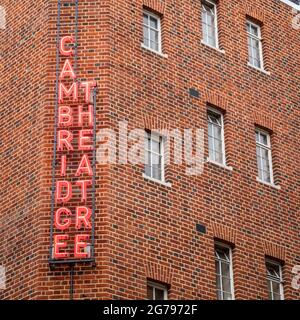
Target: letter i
column 63, row 168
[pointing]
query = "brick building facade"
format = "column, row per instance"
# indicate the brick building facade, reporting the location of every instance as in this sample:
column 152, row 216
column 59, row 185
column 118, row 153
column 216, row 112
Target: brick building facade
column 145, row 230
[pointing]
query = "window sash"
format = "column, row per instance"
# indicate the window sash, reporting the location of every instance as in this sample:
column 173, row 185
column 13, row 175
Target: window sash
column 222, row 292
column 216, row 153
column 209, row 30
column 156, row 286
column 153, row 43
column 265, row 173
column 255, row 53
column 151, row 155
column 271, row 280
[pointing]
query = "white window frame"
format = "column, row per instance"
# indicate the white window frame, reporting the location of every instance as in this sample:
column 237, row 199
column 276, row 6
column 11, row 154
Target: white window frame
column 269, row 148
column 292, row 4
column 217, row 112
column 159, row 138
column 158, row 286
column 225, row 246
column 213, row 3
column 259, row 38
column 158, row 18
column 272, row 279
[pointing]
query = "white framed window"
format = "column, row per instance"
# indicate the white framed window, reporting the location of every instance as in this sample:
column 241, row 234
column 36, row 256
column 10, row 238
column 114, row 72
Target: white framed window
column 293, row 3
column 152, row 31
column 274, row 280
column 209, row 23
column 255, row 48
column 154, row 156
column 156, row 291
column 216, row 143
column 264, row 156
column 224, row 272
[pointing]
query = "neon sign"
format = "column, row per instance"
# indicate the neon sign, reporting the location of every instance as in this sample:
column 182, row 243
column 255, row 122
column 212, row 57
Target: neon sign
column 73, row 180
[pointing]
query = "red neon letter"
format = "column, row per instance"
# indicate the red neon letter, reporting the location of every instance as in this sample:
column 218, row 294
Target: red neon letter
column 85, row 137
column 84, row 166
column 67, row 70
column 88, row 114
column 65, row 222
column 73, row 90
column 62, row 46
column 59, row 186
column 83, row 216
column 65, row 116
column 81, row 244
column 88, row 86
column 60, row 242
column 83, row 184
column 64, row 138
column 63, row 168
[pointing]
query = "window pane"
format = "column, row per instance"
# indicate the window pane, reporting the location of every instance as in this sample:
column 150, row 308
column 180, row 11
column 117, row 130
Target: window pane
column 227, row 296
column 218, row 268
column 218, row 132
column 156, row 172
column 149, row 293
column 211, row 144
column 276, row 296
column 155, row 146
column 159, row 294
column 223, row 253
column 218, row 282
column 219, row 157
column 269, row 286
column 276, row 287
column 153, row 23
column 146, row 40
column 225, row 270
column 254, row 30
column 265, row 165
column 148, row 158
column 148, row 170
column 248, row 27
column 218, row 145
column 204, row 31
column 226, row 284
column 219, row 295
column 215, row 119
column 263, row 139
column 155, row 159
column 154, row 45
column 145, row 19
column 209, row 20
column 257, row 136
column 273, row 270
column 266, row 177
column 148, row 164
column 210, row 129
column 154, row 36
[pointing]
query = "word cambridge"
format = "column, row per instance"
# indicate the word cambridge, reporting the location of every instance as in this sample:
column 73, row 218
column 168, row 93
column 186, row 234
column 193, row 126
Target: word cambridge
column 72, row 218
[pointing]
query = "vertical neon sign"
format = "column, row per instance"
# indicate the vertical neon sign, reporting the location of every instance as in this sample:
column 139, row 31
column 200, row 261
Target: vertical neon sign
column 73, row 191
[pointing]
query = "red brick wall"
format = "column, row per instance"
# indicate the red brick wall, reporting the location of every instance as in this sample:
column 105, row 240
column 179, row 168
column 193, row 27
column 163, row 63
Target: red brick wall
column 143, row 229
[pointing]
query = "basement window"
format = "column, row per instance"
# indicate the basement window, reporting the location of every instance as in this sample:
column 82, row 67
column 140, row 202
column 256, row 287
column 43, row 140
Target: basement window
column 156, row 291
